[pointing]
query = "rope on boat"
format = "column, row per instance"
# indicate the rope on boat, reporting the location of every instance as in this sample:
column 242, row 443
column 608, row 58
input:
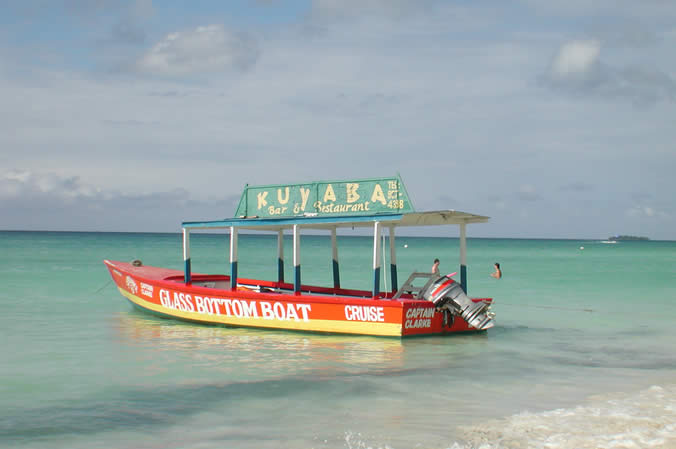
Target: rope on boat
column 135, row 262
column 104, row 286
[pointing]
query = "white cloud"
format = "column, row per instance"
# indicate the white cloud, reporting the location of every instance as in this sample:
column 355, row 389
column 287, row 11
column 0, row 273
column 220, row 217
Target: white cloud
column 350, row 8
column 576, row 58
column 18, row 183
column 577, row 68
column 655, row 10
column 527, row 192
column 644, row 211
column 46, row 200
column 208, row 48
column 129, row 28
column 20, row 176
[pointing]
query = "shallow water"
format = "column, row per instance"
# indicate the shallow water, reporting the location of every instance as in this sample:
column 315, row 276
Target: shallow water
column 581, row 355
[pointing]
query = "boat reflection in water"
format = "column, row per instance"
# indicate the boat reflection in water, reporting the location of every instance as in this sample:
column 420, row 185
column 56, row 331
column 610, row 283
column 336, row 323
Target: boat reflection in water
column 251, row 352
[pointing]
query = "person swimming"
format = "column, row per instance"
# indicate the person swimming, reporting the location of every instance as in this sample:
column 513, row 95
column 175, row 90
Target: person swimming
column 497, row 274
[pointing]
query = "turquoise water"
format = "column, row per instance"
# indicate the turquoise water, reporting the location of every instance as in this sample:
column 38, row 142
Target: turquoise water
column 581, row 356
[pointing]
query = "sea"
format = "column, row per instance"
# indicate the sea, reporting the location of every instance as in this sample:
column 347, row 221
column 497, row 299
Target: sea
column 582, row 354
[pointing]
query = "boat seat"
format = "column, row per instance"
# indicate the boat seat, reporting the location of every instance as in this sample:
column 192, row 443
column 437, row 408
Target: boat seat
column 408, row 286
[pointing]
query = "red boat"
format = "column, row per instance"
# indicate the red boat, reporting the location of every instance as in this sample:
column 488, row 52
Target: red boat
column 426, row 304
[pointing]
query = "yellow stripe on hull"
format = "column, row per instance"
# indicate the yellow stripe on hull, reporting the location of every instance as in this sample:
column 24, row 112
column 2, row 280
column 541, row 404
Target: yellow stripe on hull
column 330, row 326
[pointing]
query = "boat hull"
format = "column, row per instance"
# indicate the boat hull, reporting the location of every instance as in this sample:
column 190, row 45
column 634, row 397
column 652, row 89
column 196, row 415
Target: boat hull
column 263, row 304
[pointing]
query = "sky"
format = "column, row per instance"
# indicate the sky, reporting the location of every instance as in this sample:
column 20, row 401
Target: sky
column 556, row 118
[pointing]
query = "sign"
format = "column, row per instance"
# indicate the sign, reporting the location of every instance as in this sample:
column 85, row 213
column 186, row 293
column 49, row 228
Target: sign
column 325, row 199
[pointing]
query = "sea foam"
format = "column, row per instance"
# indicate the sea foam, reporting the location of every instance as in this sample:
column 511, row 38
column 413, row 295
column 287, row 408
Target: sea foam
column 646, row 419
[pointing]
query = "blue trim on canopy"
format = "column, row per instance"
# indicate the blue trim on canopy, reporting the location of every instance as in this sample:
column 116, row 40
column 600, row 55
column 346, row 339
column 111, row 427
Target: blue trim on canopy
column 255, row 222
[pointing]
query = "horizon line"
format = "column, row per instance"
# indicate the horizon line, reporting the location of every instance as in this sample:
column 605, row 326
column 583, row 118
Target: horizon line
column 214, row 232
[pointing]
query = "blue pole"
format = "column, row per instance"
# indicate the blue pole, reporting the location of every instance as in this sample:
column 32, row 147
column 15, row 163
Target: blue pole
column 376, row 281
column 296, row 281
column 376, row 259
column 296, row 259
column 463, row 256
column 233, row 258
column 336, row 274
column 233, row 275
column 393, row 261
column 334, row 256
column 280, row 256
column 186, row 256
column 187, row 277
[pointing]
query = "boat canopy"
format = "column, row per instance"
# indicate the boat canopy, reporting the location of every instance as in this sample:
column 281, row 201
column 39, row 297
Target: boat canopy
column 431, row 218
column 328, row 205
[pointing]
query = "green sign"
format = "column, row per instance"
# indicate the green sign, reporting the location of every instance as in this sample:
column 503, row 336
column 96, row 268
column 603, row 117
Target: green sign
column 325, row 199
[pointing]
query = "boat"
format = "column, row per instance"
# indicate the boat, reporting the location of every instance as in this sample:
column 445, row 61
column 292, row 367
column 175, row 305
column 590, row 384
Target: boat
column 425, row 304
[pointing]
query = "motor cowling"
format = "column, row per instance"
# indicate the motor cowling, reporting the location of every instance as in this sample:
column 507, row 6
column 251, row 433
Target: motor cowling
column 445, row 293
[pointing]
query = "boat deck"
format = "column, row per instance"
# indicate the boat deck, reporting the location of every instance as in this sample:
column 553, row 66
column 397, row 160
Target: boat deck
column 222, row 282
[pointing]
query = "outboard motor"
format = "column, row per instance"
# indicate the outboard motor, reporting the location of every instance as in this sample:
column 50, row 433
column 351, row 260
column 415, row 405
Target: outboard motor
column 445, row 293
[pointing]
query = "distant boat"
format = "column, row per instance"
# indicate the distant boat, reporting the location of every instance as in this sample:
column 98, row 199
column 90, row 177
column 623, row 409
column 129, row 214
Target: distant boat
column 619, row 238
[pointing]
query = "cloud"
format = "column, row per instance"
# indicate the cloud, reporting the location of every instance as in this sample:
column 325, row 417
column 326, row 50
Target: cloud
column 443, row 94
column 641, row 196
column 350, row 8
column 528, row 193
column 644, row 211
column 38, row 201
column 577, row 68
column 129, row 27
column 576, row 59
column 497, row 202
column 209, row 48
column 638, row 37
column 581, row 187
column 22, row 183
column 128, row 31
column 128, row 122
column 655, row 10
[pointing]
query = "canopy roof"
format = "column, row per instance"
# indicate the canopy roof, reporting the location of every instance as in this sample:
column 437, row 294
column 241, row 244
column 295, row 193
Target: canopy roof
column 330, row 205
column 432, row 218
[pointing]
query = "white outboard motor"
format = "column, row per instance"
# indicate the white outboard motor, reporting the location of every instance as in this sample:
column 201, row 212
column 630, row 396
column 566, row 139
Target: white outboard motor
column 445, row 293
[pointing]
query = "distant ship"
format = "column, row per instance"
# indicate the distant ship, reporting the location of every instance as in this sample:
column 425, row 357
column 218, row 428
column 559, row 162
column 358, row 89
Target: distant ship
column 619, row 238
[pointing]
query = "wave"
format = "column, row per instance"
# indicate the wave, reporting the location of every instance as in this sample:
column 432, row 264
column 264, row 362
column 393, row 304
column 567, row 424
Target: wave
column 646, row 419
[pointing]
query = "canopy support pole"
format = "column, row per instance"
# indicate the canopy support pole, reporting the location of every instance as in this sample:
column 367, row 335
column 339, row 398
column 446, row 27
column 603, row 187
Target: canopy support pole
column 463, row 256
column 296, row 259
column 334, row 252
column 393, row 261
column 186, row 255
column 280, row 256
column 376, row 259
column 233, row 258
